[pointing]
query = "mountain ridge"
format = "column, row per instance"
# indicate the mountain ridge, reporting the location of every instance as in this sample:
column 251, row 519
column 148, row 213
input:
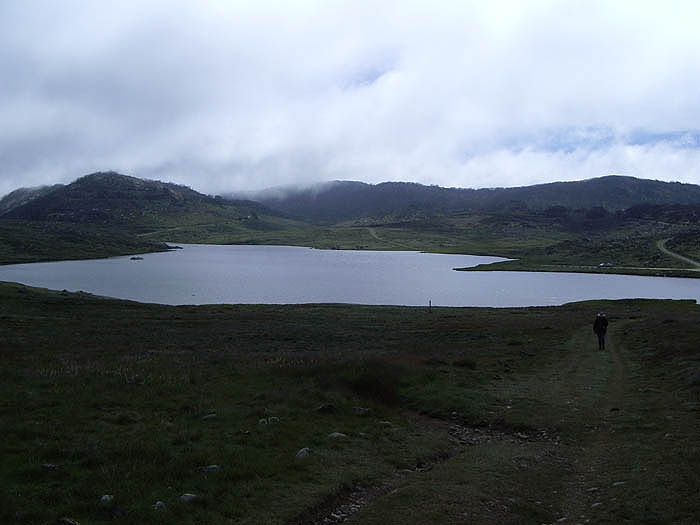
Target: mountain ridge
column 346, row 200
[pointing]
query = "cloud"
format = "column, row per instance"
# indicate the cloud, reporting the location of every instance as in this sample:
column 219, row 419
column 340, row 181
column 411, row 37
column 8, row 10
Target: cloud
column 243, row 95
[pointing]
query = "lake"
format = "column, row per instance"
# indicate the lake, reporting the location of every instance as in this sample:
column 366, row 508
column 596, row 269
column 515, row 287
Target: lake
column 207, row 274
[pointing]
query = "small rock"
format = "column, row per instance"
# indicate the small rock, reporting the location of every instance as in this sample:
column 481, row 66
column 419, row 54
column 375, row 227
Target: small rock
column 337, row 435
column 619, row 483
column 326, row 408
column 592, row 489
column 210, row 468
column 107, row 499
column 50, row 466
column 272, row 420
column 209, row 416
column 521, row 435
column 159, row 506
column 385, row 422
column 304, row 452
column 262, row 421
column 360, row 411
column 562, row 519
column 67, row 521
column 190, row 498
column 596, row 505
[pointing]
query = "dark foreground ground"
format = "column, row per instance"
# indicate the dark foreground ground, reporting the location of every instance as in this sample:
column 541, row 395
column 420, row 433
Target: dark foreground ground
column 458, row 415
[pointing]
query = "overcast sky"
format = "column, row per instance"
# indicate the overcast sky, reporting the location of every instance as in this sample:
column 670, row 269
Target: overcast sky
column 229, row 95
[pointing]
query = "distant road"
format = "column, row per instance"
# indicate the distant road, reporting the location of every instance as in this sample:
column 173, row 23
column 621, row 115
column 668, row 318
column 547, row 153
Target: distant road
column 662, row 246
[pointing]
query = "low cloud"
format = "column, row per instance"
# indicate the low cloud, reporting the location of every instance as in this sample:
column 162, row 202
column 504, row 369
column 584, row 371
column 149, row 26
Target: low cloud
column 227, row 96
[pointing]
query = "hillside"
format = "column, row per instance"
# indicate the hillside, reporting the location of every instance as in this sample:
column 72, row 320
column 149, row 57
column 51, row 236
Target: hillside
column 341, row 201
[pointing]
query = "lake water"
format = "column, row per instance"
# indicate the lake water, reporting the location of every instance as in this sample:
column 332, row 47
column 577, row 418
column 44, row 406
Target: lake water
column 205, row 274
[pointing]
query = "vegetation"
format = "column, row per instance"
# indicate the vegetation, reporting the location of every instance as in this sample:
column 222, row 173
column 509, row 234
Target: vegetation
column 450, row 415
column 31, row 241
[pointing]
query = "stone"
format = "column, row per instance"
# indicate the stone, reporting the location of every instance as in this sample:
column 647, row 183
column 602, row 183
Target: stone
column 326, row 408
column 190, row 498
column 67, row 521
column 107, row 499
column 159, row 506
column 210, row 468
column 360, row 411
column 272, row 420
column 50, row 466
column 618, row 483
column 303, row 452
column 262, row 421
column 337, row 435
column 209, row 416
column 596, row 505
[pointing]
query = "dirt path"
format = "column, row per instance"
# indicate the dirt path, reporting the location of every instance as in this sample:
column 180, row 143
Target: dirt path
column 586, row 451
column 661, row 245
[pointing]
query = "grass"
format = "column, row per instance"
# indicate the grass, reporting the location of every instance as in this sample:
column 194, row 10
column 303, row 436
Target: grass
column 117, row 395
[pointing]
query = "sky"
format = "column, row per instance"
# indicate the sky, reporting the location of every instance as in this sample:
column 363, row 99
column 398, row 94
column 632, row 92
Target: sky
column 227, row 96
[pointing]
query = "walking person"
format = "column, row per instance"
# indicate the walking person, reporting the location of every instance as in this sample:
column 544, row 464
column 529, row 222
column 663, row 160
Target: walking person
column 600, row 325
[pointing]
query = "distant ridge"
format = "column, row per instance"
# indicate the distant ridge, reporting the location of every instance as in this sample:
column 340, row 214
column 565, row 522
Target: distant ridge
column 345, row 200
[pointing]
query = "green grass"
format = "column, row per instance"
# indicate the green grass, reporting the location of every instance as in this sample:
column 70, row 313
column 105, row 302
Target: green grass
column 116, row 393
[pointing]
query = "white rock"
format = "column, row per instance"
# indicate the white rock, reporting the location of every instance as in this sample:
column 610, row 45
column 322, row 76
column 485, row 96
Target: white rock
column 159, row 505
column 107, row 499
column 337, row 435
column 304, row 452
column 189, row 498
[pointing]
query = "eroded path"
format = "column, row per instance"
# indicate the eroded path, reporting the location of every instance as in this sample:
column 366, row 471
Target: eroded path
column 587, row 450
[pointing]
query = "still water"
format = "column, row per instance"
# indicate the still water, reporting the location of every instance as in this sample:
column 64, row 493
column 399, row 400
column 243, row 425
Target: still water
column 205, row 274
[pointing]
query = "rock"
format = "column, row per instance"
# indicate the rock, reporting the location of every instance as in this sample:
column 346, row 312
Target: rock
column 520, row 435
column 326, row 408
column 303, row 452
column 159, row 506
column 272, row 420
column 592, row 489
column 619, row 483
column 209, row 416
column 190, row 498
column 50, row 466
column 67, row 521
column 385, row 422
column 262, row 421
column 360, row 411
column 337, row 435
column 210, row 468
column 107, row 499
column 596, row 505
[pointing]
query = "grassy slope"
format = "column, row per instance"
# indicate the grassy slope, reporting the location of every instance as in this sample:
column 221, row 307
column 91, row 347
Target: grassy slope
column 115, row 393
column 32, row 241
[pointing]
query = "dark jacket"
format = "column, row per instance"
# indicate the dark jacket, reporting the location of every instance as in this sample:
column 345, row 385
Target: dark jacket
column 600, row 325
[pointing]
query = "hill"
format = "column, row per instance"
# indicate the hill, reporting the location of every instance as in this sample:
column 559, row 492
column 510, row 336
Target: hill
column 342, row 200
column 106, row 213
column 108, row 198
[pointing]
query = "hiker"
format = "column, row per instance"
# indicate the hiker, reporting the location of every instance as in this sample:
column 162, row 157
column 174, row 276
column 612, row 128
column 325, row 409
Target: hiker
column 600, row 325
